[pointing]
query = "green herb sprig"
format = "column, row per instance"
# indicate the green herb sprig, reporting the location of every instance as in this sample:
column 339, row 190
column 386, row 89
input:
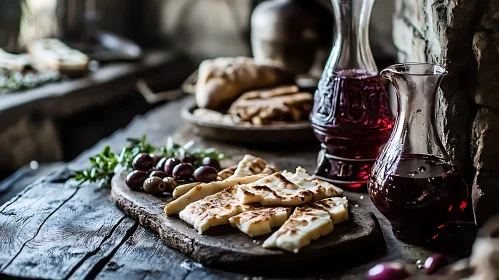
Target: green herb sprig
column 105, row 164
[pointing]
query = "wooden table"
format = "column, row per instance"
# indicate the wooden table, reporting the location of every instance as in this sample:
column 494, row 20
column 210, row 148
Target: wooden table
column 57, row 230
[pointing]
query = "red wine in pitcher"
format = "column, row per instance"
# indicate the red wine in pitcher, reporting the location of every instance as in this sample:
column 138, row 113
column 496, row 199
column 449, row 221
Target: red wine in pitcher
column 419, row 197
column 353, row 120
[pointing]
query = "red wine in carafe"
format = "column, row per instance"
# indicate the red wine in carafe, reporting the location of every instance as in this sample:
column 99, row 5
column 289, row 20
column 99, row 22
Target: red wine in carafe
column 419, row 197
column 353, row 120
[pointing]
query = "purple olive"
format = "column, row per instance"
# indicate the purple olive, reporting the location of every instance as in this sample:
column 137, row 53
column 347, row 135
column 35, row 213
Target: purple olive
column 142, row 162
column 388, row 271
column 188, row 158
column 160, row 165
column 434, row 263
column 154, row 186
column 170, row 165
column 135, row 179
column 158, row 173
column 205, row 174
column 156, row 159
column 183, row 171
column 208, row 161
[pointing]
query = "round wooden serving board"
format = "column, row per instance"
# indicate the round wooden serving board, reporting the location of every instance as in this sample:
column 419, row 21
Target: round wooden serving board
column 228, row 248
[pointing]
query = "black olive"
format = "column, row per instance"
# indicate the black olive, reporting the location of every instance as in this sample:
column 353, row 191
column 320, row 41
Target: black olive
column 161, row 164
column 183, row 171
column 142, row 162
column 205, row 174
column 156, row 159
column 208, row 161
column 170, row 165
column 188, row 158
column 158, row 173
column 171, row 184
column 135, row 179
column 154, row 185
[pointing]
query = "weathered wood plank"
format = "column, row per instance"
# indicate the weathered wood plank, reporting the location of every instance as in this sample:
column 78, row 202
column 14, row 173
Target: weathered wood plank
column 25, row 176
column 144, row 256
column 72, row 234
column 22, row 218
column 91, row 266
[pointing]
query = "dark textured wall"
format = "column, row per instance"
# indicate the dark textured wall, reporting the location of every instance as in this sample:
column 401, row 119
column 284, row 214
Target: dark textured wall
column 462, row 35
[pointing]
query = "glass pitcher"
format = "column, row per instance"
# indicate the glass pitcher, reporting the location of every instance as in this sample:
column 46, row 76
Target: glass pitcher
column 413, row 181
column 351, row 115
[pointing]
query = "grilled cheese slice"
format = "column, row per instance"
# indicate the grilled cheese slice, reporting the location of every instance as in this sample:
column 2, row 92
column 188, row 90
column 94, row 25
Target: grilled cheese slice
column 251, row 165
column 336, row 207
column 203, row 190
column 286, row 189
column 305, row 225
column 213, row 210
column 260, row 221
column 322, row 188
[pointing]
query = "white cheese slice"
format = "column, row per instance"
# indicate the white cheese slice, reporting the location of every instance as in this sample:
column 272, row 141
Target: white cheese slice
column 307, row 181
column 260, row 221
column 203, row 190
column 337, row 208
column 213, row 210
column 251, row 165
column 305, row 225
column 293, row 190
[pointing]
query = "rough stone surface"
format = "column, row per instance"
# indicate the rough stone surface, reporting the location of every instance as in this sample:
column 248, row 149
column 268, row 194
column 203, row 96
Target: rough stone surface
column 484, row 137
column 486, row 82
column 484, row 196
column 441, row 32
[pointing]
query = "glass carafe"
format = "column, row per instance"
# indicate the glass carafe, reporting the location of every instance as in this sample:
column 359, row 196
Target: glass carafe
column 413, row 181
column 351, row 115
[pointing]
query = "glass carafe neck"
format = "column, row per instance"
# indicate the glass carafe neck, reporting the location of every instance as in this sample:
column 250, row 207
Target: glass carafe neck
column 351, row 49
column 415, row 131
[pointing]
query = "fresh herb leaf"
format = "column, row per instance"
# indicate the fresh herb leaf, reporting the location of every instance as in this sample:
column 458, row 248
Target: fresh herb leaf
column 104, row 165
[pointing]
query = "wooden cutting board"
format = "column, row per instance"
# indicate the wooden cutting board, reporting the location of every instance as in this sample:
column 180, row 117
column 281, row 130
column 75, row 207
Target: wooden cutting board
column 228, row 248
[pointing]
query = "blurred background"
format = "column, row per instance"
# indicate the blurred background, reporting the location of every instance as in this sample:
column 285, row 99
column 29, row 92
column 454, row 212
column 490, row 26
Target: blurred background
column 55, row 118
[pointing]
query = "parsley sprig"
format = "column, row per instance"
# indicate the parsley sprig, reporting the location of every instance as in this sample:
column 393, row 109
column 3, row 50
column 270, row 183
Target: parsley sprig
column 105, row 164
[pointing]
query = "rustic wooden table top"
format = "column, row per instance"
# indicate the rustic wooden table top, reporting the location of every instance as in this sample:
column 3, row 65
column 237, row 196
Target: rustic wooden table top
column 56, row 230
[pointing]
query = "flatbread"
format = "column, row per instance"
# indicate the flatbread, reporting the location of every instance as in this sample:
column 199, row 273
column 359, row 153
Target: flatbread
column 183, row 189
column 295, row 189
column 203, row 190
column 251, row 165
column 336, row 207
column 305, row 225
column 260, row 221
column 213, row 210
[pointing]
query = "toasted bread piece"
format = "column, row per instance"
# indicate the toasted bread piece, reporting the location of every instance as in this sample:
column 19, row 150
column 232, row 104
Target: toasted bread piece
column 251, row 165
column 183, row 189
column 214, row 210
column 263, row 106
column 305, row 225
column 52, row 54
column 337, row 208
column 203, row 190
column 260, row 221
column 295, row 189
column 226, row 173
column 222, row 80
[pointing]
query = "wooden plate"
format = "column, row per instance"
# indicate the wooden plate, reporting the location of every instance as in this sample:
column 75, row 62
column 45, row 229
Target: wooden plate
column 282, row 133
column 228, row 248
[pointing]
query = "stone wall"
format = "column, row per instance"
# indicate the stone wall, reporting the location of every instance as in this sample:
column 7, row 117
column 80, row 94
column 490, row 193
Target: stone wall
column 462, row 35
